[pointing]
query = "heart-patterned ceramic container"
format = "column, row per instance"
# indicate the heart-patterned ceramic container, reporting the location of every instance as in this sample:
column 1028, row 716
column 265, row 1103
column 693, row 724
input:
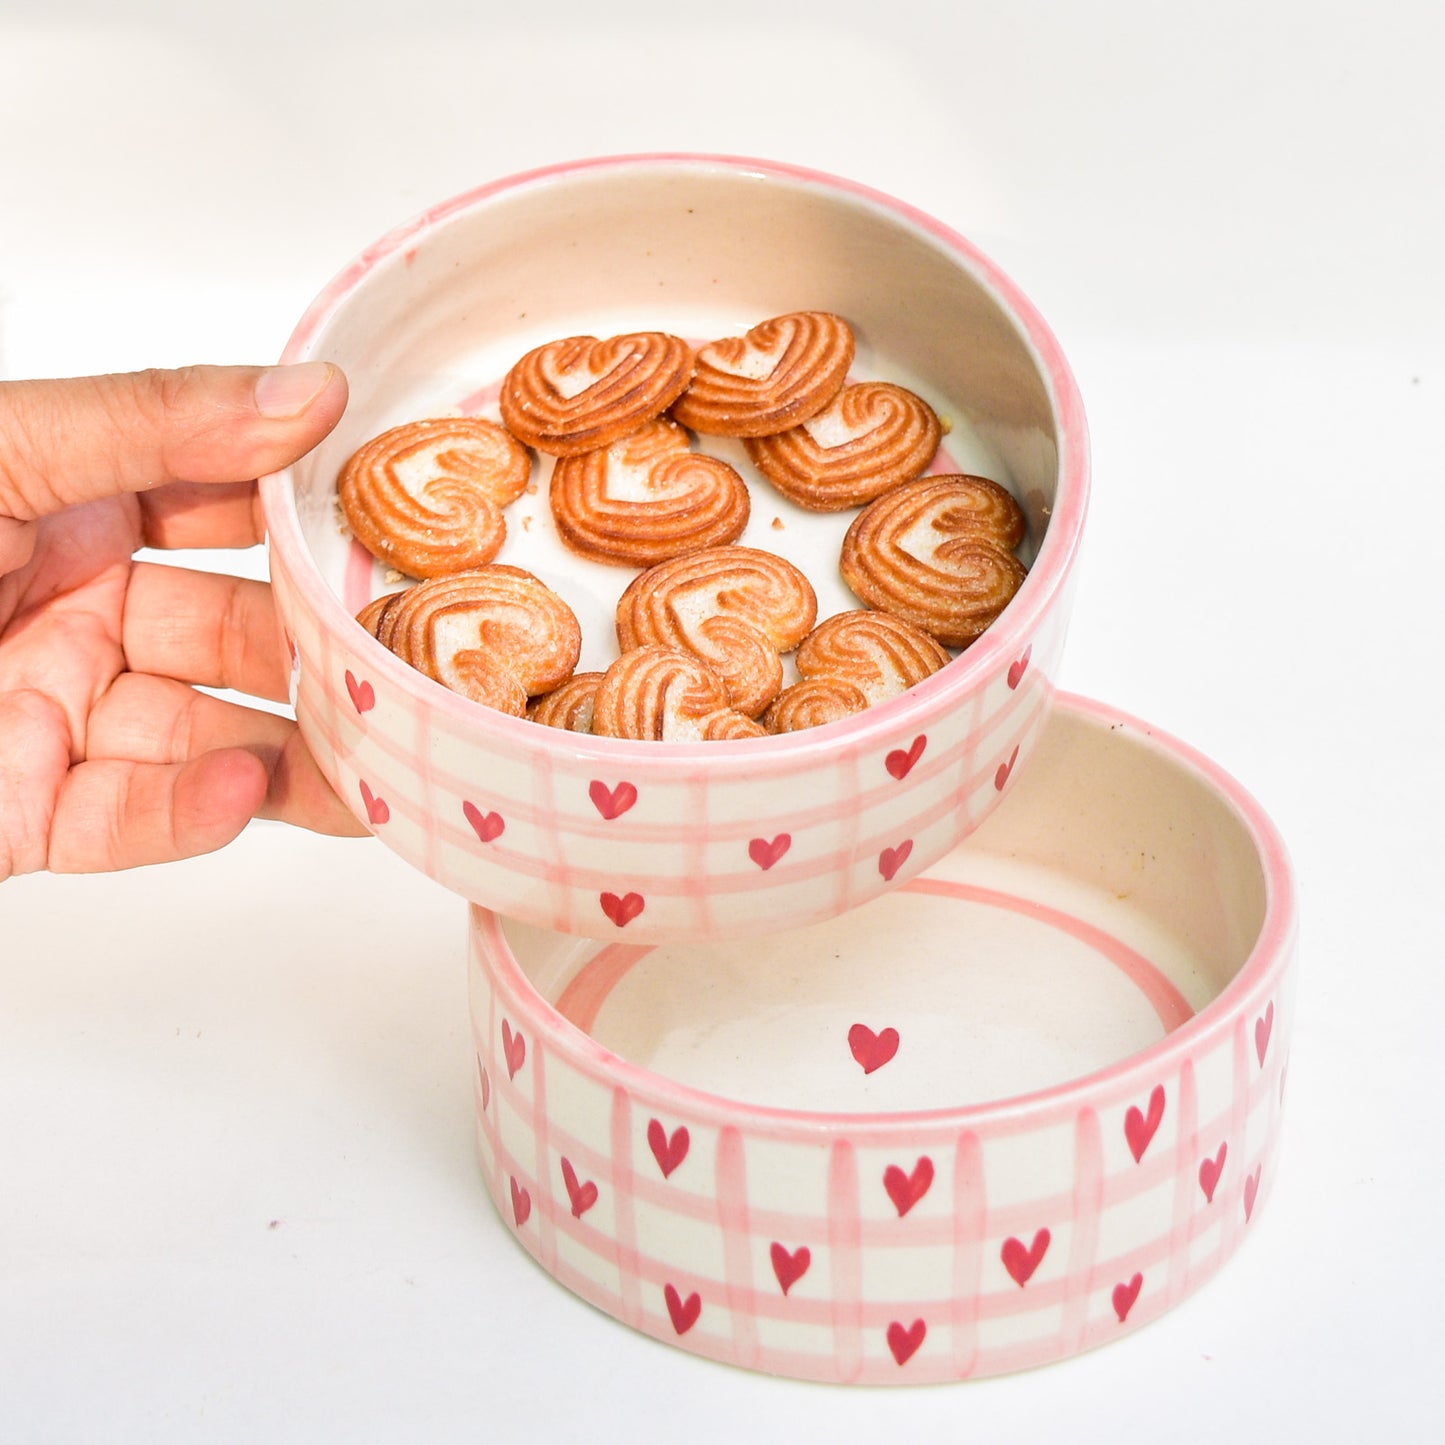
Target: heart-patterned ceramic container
column 1012, row 1110
column 645, row 842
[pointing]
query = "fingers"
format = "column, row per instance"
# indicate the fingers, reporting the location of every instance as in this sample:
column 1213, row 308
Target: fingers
column 157, row 720
column 204, row 628
column 118, row 814
column 17, row 544
column 78, row 439
column 198, row 514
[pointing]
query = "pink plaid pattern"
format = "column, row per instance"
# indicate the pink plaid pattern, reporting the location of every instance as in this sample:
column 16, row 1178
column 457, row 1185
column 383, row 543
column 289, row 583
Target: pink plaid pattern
column 759, row 839
column 813, row 1249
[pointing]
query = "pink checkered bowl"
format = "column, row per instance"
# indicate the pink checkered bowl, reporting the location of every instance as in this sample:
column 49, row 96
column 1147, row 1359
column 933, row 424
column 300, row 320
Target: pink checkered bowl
column 1010, row 1111
column 650, row 841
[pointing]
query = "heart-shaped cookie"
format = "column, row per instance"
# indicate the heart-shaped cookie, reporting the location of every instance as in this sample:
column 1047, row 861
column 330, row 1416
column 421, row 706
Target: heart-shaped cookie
column 737, row 608
column 496, row 635
column 569, row 704
column 579, row 393
column 646, row 498
column 666, row 695
column 937, row 552
column 780, row 373
column 850, row 662
column 427, row 497
column 871, row 436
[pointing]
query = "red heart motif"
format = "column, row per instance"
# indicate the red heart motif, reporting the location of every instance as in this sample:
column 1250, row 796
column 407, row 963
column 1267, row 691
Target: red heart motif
column 521, row 1203
column 1125, row 1295
column 487, row 826
column 669, row 1152
column 1251, row 1191
column 622, row 910
column 514, row 1048
column 905, row 1190
column 363, row 697
column 900, row 763
column 1262, row 1027
column 890, row 860
column 612, row 802
column 683, row 1313
column 1139, row 1128
column 904, row 1343
column 1020, row 1262
column 376, row 808
column 1017, row 669
column 582, row 1195
column 1004, row 769
column 1209, row 1172
column 765, row 854
column 486, row 1085
column 790, row 1268
column 872, row 1050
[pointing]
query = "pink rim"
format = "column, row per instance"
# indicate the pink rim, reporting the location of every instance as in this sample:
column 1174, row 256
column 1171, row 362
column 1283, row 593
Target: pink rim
column 1259, row 974
column 1020, row 621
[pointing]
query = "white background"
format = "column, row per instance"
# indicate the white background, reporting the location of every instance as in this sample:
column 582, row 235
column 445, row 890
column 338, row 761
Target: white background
column 238, row 1196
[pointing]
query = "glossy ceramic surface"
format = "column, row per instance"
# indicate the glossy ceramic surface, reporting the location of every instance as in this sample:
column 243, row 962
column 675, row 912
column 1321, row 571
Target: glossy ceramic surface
column 1010, row 1111
column 643, row 841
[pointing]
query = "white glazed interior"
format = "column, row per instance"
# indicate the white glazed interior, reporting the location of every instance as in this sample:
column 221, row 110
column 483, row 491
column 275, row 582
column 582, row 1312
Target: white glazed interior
column 701, row 251
column 1115, row 895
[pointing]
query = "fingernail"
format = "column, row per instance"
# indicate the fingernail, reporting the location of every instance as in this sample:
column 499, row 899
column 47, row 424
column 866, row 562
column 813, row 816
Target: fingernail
column 286, row 391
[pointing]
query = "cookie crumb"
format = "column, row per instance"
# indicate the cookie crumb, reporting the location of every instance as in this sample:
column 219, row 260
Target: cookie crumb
column 945, row 423
column 526, row 524
column 393, row 576
column 777, row 524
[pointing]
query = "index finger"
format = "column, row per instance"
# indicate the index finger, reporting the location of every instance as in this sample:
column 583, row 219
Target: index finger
column 79, row 439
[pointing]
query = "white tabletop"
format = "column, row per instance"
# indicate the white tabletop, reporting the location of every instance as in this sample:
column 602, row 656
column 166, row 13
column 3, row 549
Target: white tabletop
column 238, row 1193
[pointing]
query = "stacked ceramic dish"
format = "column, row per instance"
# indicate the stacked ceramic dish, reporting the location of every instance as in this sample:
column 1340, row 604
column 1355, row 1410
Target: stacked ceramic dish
column 940, row 1041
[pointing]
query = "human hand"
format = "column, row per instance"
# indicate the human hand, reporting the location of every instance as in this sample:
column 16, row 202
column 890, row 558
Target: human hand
column 109, row 755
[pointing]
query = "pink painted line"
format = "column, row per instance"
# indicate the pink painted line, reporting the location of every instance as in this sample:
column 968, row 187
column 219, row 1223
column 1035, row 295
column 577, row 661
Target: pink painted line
column 845, row 1248
column 1169, row 1005
column 356, row 581
column 970, row 1229
column 943, row 464
column 1189, row 1150
column 735, row 1227
column 544, row 1201
column 1090, row 1194
column 582, row 999
column 629, row 1306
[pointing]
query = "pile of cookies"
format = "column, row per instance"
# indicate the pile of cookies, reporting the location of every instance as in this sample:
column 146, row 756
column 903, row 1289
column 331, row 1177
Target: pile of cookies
column 703, row 627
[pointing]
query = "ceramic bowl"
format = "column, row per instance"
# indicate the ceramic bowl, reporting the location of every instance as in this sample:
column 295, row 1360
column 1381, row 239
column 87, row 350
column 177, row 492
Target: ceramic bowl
column 1010, row 1111
column 665, row 841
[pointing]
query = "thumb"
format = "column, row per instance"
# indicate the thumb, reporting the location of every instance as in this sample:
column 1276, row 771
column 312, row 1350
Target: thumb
column 75, row 440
